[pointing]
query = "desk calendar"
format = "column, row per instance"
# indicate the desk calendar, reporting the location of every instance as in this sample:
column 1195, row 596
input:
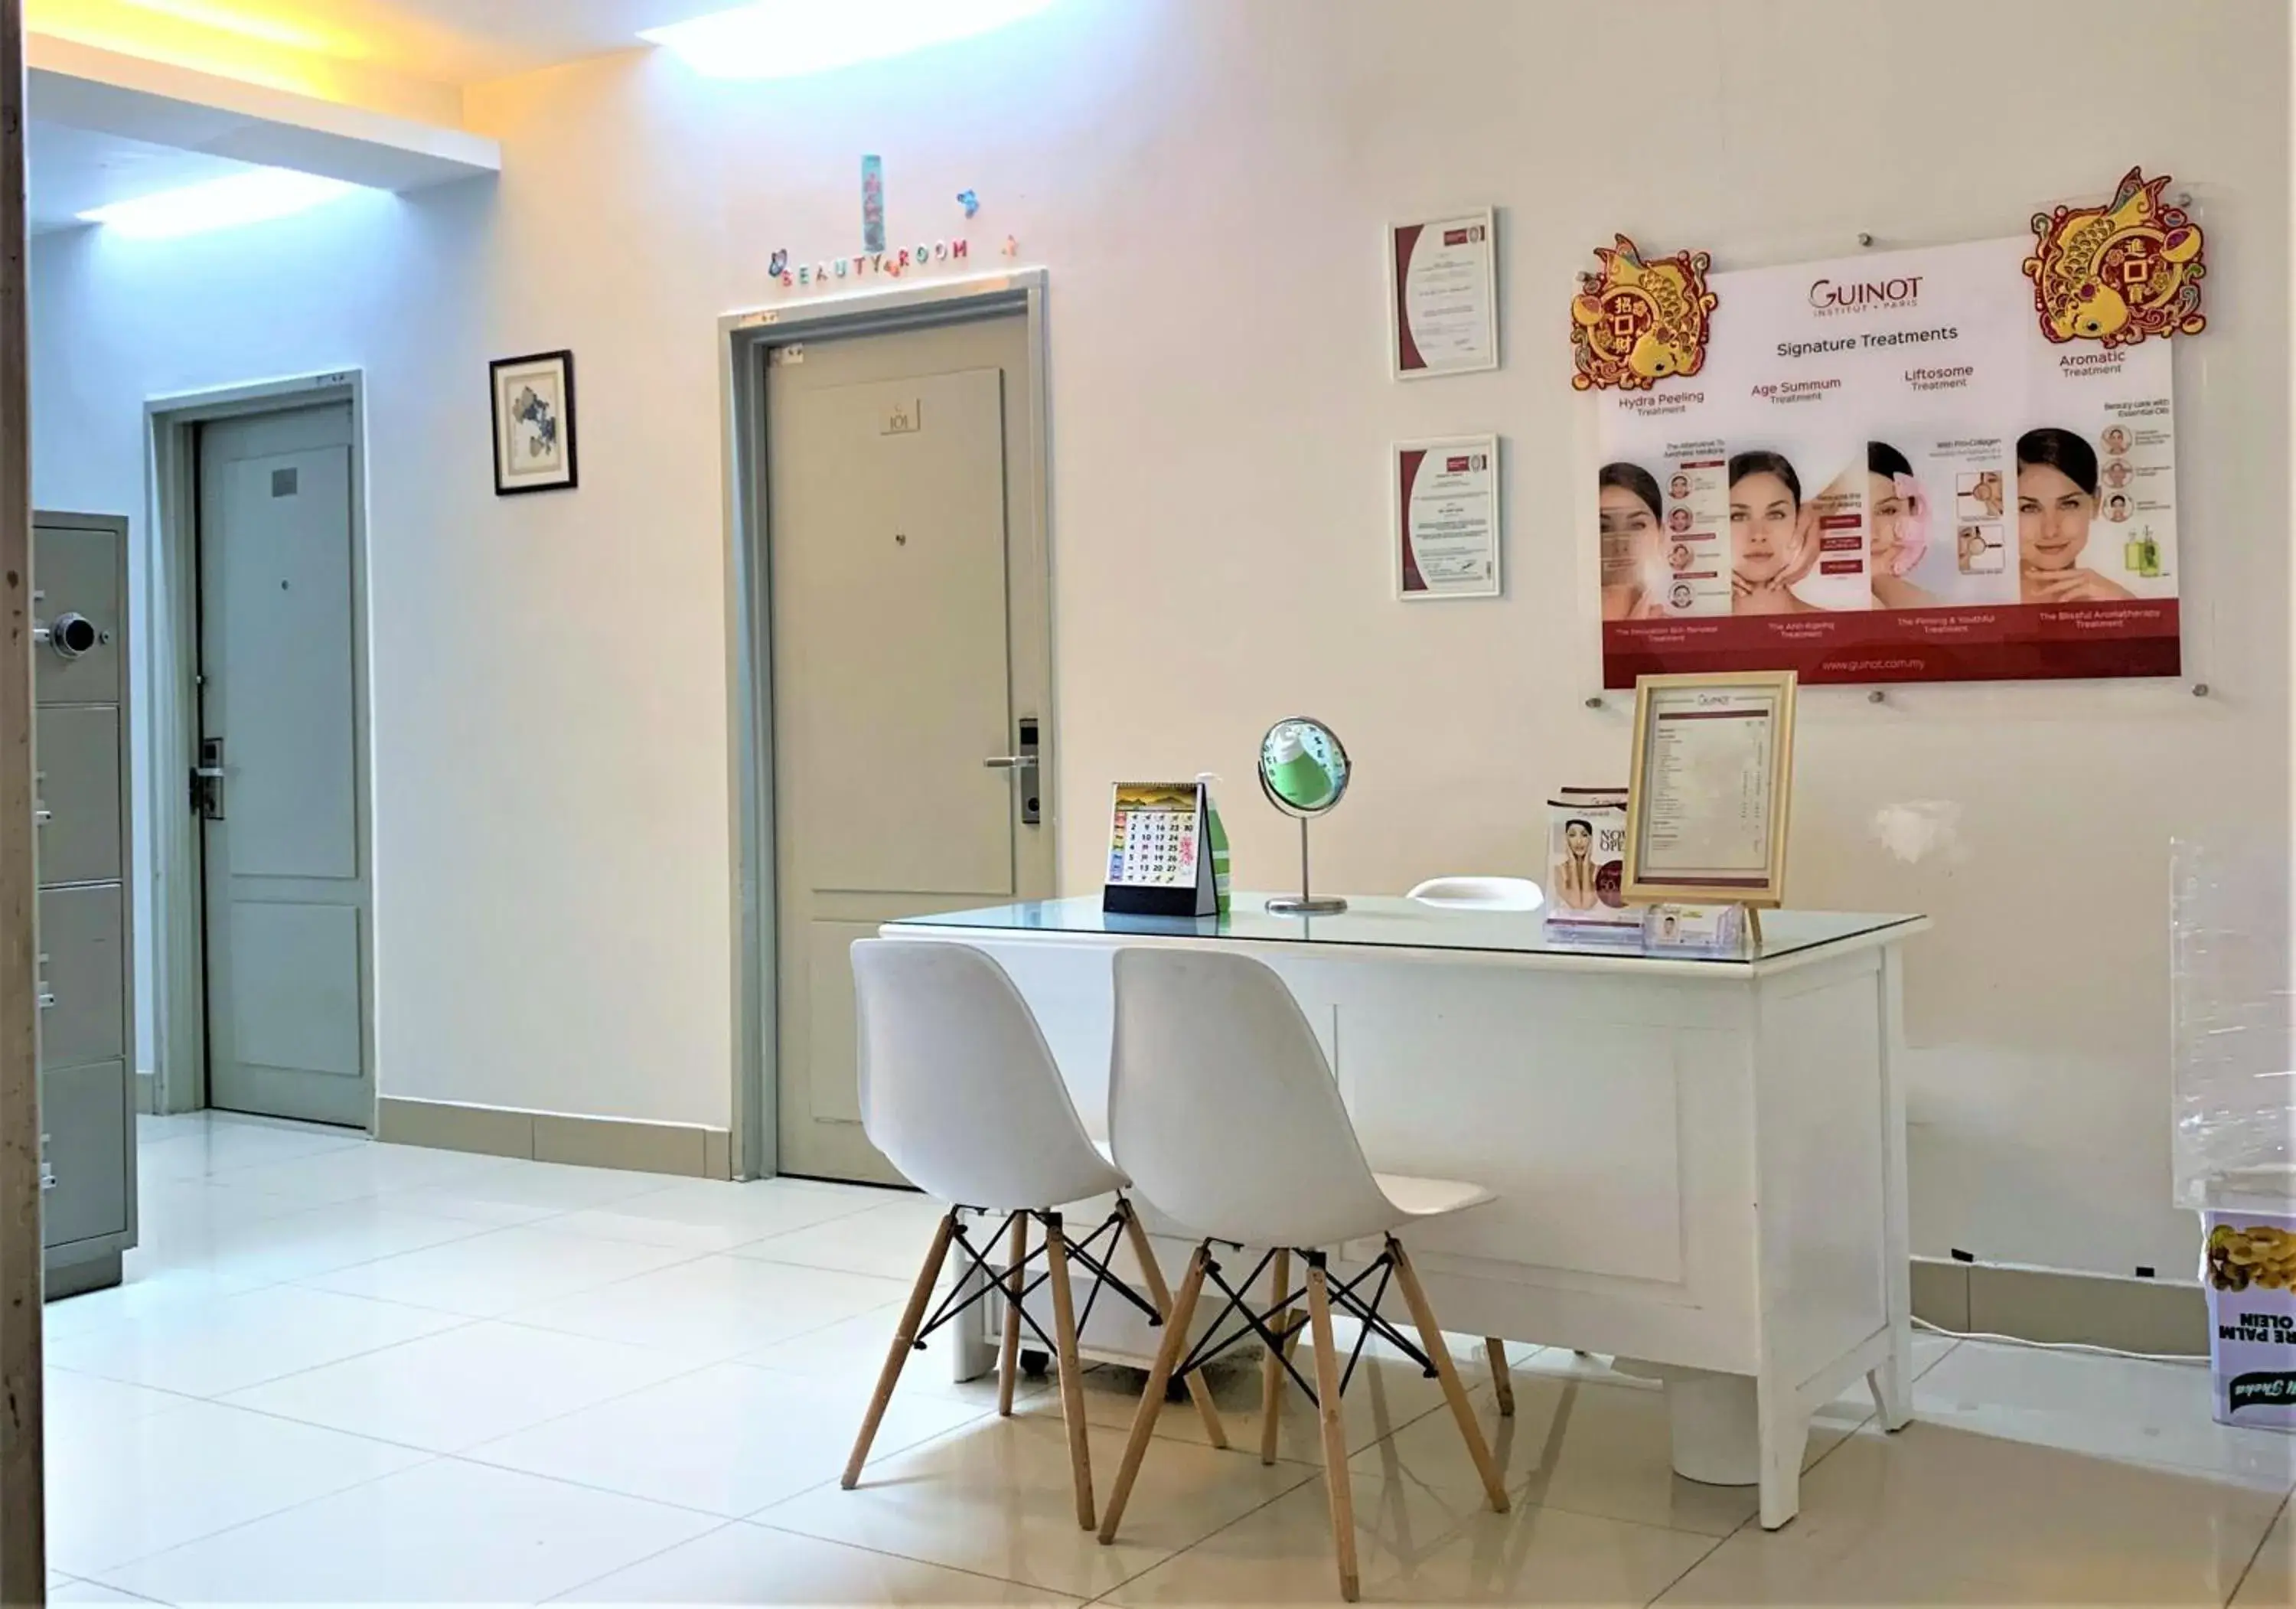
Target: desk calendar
column 1160, row 850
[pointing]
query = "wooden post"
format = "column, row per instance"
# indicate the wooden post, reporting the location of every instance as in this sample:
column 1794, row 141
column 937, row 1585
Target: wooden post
column 1008, row 1350
column 1152, row 1275
column 1271, row 1365
column 23, row 1511
column 1340, row 1488
column 905, row 1340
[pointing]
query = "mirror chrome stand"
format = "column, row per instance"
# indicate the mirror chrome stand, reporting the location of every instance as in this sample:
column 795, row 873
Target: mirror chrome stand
column 1305, row 903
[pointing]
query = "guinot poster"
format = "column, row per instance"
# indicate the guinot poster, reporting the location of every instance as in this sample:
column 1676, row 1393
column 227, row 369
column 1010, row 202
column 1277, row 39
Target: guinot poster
column 1886, row 472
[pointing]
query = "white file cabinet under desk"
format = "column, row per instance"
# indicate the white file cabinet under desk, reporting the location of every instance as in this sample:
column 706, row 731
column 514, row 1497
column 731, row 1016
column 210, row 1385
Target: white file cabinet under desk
column 1698, row 1163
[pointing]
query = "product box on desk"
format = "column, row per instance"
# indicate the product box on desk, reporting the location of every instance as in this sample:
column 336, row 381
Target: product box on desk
column 2249, row 1269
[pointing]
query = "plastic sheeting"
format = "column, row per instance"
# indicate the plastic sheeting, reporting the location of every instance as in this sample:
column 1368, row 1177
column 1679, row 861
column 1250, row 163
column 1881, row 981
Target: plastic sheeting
column 2231, row 1000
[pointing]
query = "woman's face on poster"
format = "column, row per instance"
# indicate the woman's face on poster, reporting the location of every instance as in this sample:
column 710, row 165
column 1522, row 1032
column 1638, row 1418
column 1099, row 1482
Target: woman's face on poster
column 1765, row 524
column 2053, row 517
column 1883, row 504
column 1629, row 524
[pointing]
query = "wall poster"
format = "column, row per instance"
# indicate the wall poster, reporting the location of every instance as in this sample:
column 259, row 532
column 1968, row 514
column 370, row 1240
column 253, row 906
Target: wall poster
column 1887, row 472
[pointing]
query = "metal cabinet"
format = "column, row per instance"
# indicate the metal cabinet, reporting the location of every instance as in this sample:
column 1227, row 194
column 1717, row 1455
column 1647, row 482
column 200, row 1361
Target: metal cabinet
column 87, row 967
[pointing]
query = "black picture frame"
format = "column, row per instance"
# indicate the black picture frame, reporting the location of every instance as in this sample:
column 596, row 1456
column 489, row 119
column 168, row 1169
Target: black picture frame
column 507, row 483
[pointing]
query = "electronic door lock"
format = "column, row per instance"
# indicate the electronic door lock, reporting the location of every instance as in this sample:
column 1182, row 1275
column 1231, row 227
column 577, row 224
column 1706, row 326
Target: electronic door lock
column 70, row 635
column 1025, row 762
column 207, row 780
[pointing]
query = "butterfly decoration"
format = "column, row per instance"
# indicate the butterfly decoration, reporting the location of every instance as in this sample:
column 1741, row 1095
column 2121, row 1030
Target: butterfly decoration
column 779, row 263
column 967, row 200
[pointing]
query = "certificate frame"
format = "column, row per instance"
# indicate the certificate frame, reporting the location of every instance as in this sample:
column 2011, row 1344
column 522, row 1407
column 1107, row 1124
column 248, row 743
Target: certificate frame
column 1399, row 518
column 1758, row 890
column 1486, row 219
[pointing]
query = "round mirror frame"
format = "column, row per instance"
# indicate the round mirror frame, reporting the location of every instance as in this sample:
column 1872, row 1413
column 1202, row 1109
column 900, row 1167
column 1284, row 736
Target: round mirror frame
column 1339, row 785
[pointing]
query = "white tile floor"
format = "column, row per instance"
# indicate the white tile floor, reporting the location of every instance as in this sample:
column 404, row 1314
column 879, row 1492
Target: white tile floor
column 350, row 1372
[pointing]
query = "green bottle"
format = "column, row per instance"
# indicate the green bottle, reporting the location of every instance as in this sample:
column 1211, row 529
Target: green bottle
column 1216, row 832
column 1298, row 777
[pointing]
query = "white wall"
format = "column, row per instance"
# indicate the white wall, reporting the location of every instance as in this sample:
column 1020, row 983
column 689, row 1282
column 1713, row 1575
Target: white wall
column 1206, row 181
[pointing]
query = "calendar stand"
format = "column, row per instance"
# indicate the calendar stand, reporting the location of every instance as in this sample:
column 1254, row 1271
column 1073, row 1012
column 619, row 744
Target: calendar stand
column 1160, row 851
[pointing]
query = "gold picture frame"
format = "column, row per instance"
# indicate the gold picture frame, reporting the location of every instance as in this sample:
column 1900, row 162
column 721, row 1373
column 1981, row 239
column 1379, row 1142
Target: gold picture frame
column 1764, row 695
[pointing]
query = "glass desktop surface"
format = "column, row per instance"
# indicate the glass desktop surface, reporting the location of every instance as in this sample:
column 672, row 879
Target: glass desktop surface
column 1388, row 921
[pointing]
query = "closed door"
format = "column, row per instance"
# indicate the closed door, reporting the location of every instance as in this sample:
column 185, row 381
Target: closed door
column 280, row 756
column 909, row 648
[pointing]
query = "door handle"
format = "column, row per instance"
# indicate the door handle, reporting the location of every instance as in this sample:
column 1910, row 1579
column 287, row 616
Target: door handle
column 1010, row 762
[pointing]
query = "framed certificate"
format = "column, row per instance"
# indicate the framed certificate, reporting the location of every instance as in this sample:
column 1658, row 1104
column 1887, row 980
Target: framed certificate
column 1712, row 781
column 1443, row 296
column 1447, row 518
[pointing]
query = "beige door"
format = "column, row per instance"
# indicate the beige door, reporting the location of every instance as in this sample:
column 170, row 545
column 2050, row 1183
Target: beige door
column 909, row 646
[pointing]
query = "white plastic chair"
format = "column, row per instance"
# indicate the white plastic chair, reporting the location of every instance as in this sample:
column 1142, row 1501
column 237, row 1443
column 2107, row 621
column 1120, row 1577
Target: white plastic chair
column 961, row 1094
column 1481, row 893
column 1485, row 894
column 1224, row 1113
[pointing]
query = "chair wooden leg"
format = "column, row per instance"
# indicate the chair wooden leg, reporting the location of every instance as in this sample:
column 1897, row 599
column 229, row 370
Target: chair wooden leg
column 1335, row 1436
column 1271, row 1365
column 1064, row 1338
column 1151, row 1399
column 1160, row 1294
column 1431, row 1338
column 1502, row 1377
column 1008, row 1357
column 904, row 1337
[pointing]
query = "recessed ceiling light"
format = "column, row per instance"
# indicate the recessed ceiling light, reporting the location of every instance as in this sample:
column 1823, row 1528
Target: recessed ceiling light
column 784, row 38
column 225, row 203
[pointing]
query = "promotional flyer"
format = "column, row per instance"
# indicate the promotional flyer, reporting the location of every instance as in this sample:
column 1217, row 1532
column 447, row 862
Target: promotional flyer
column 1586, row 860
column 1884, row 472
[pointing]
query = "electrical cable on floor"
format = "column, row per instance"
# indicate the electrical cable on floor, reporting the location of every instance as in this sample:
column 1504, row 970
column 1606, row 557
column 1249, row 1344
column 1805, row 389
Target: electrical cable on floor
column 2061, row 1346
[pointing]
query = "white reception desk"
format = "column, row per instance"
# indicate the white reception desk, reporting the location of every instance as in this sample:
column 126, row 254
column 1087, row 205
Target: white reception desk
column 1698, row 1163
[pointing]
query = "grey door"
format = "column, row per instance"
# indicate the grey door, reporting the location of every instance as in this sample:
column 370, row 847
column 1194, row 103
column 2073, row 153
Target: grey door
column 909, row 644
column 287, row 903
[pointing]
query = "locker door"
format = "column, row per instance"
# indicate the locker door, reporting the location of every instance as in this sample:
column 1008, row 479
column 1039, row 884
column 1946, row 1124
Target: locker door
column 77, row 795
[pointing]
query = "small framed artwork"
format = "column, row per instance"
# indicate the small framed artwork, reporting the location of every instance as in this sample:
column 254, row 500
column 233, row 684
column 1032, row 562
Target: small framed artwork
column 1712, row 781
column 534, row 423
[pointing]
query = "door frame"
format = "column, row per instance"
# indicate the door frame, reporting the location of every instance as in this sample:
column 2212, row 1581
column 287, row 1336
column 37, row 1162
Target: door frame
column 164, row 618
column 743, row 340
